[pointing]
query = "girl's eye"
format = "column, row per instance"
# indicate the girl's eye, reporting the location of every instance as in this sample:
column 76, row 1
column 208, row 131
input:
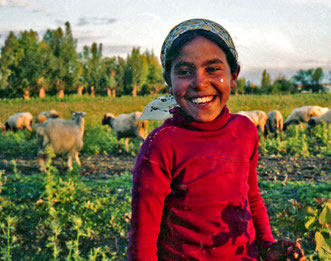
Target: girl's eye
column 213, row 69
column 183, row 72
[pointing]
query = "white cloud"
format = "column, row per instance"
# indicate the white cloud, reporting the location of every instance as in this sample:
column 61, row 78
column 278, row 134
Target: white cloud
column 14, row 3
column 84, row 21
column 326, row 3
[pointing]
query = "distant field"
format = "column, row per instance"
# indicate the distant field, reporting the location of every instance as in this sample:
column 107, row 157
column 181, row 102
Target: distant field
column 97, row 106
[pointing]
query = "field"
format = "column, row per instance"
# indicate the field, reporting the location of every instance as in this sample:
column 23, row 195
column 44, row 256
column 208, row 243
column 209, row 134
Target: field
column 84, row 214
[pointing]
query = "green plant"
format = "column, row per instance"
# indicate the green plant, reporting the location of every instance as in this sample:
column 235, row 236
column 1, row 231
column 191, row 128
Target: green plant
column 8, row 229
column 320, row 225
column 3, row 180
column 296, row 142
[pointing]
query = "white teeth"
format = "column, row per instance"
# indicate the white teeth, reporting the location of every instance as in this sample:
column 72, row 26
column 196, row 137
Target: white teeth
column 202, row 100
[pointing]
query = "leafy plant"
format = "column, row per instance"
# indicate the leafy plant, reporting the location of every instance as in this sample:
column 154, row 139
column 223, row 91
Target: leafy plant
column 319, row 224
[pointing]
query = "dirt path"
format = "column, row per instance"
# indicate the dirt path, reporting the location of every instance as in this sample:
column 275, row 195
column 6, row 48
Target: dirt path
column 103, row 166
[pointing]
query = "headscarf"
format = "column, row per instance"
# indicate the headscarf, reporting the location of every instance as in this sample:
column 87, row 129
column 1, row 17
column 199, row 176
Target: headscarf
column 158, row 109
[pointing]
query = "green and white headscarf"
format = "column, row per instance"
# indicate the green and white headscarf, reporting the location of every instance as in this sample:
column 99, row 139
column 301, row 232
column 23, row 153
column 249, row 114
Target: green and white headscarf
column 158, row 109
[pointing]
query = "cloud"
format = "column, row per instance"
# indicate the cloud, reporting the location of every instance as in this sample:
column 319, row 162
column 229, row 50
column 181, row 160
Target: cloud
column 14, row 3
column 87, row 38
column 41, row 11
column 152, row 16
column 83, row 21
column 326, row 3
column 111, row 50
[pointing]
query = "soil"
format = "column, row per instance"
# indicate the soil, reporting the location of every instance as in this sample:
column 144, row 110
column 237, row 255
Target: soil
column 103, row 166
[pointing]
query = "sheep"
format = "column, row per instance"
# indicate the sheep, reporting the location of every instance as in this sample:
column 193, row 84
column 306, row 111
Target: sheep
column 126, row 126
column 65, row 136
column 18, row 121
column 274, row 123
column 303, row 114
column 313, row 121
column 44, row 115
column 2, row 126
column 258, row 117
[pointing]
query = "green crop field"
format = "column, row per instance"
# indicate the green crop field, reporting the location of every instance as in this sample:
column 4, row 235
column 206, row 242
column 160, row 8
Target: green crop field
column 70, row 215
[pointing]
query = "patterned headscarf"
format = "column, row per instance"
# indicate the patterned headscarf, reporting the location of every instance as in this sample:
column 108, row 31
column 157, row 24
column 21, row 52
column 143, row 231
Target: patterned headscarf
column 158, row 109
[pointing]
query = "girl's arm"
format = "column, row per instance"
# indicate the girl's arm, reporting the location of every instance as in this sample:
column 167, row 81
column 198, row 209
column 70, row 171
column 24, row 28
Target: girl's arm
column 151, row 185
column 264, row 236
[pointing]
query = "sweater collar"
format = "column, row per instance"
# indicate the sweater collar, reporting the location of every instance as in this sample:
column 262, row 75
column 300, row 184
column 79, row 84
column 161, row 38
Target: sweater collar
column 181, row 119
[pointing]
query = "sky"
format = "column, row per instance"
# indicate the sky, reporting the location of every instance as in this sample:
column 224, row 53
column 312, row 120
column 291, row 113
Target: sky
column 281, row 36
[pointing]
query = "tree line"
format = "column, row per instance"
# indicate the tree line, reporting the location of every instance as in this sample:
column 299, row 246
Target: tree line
column 52, row 65
column 30, row 67
column 309, row 80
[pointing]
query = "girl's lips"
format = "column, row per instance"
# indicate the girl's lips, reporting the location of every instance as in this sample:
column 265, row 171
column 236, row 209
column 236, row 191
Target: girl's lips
column 202, row 100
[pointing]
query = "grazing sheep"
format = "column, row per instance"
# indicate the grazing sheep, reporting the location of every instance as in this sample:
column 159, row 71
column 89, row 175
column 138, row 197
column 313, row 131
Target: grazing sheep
column 65, row 136
column 303, row 114
column 18, row 121
column 126, row 125
column 274, row 123
column 313, row 121
column 45, row 115
column 258, row 117
column 2, row 126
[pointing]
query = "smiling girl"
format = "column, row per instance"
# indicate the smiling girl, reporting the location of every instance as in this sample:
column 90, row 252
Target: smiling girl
column 195, row 194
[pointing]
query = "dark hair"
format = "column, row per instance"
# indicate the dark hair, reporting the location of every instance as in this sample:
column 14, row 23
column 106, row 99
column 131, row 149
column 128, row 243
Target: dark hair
column 189, row 36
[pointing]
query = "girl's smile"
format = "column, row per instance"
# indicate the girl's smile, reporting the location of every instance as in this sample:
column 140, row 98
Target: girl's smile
column 201, row 79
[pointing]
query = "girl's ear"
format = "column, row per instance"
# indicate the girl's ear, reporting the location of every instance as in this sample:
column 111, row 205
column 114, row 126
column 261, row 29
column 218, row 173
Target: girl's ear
column 234, row 78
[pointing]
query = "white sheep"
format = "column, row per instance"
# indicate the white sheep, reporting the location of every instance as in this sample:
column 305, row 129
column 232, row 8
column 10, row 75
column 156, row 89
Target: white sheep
column 45, row 115
column 2, row 126
column 303, row 114
column 258, row 117
column 313, row 121
column 274, row 123
column 65, row 136
column 18, row 121
column 126, row 126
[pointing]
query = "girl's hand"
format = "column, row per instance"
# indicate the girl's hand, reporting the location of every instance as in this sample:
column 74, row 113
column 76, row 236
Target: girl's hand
column 286, row 250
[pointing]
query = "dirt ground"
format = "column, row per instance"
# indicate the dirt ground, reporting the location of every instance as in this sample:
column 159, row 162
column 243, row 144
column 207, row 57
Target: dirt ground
column 102, row 166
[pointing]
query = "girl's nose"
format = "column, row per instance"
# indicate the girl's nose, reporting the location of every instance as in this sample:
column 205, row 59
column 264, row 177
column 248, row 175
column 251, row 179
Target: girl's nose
column 199, row 81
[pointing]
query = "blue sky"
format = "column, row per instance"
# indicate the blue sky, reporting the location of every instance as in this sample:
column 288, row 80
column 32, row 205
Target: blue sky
column 281, row 36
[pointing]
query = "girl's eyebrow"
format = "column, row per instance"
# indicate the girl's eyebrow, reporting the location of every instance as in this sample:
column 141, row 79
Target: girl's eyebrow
column 214, row 61
column 209, row 62
column 183, row 63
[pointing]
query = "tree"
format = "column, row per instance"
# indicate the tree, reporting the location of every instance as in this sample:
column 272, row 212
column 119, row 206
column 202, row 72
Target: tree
column 8, row 57
column 240, row 88
column 22, row 65
column 266, row 86
column 285, row 86
column 108, row 78
column 65, row 63
column 310, row 80
column 154, row 80
column 93, row 69
column 136, row 72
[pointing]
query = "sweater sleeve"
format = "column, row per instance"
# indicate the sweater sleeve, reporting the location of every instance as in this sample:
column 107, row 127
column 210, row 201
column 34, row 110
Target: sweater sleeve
column 151, row 185
column 258, row 209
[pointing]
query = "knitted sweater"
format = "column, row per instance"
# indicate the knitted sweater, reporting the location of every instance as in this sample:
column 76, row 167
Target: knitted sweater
column 195, row 194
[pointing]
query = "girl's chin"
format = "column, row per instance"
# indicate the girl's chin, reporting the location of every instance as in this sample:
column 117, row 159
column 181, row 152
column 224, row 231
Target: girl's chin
column 205, row 117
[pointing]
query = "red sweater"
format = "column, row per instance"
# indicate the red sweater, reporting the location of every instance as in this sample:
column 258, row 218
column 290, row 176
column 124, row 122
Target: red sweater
column 195, row 194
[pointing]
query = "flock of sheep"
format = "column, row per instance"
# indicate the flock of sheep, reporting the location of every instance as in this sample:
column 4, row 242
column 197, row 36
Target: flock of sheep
column 273, row 121
column 66, row 136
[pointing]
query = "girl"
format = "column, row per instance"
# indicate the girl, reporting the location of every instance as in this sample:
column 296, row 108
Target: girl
column 195, row 194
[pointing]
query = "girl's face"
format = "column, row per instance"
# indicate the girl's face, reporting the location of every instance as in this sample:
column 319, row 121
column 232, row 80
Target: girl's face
column 201, row 79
